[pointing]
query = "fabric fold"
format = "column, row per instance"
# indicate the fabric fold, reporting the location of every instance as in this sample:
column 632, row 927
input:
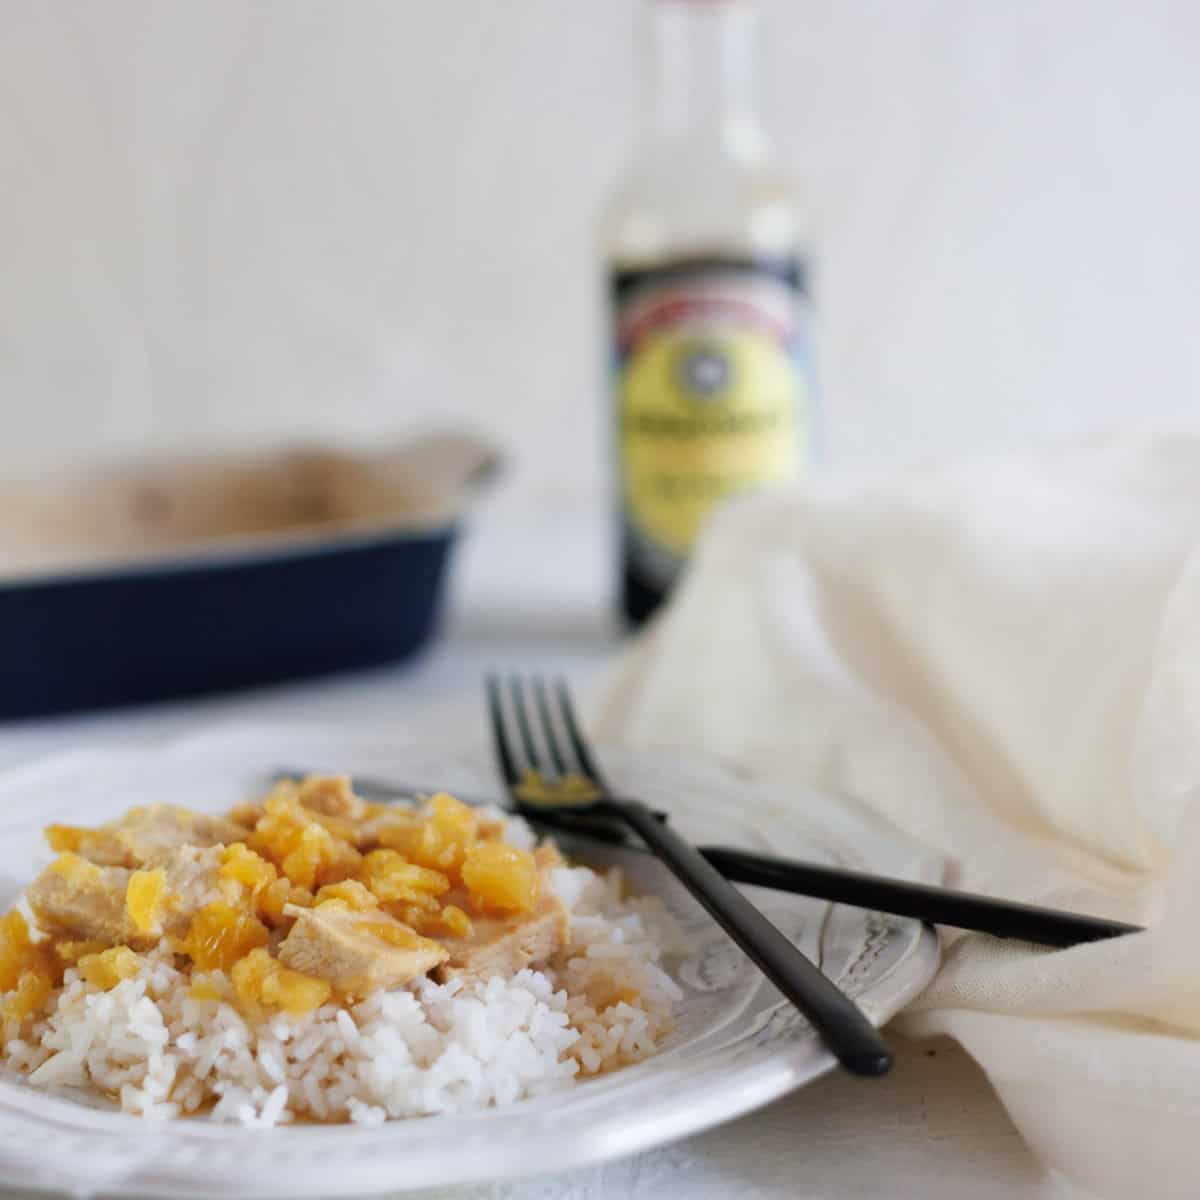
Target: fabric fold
column 1000, row 659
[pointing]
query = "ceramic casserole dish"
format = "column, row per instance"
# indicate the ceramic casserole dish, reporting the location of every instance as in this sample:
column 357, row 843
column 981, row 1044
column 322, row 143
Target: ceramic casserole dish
column 140, row 581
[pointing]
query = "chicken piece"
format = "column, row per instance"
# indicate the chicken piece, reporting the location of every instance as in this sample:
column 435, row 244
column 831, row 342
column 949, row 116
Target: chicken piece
column 503, row 945
column 331, row 796
column 193, row 880
column 82, row 900
column 354, row 951
column 145, row 834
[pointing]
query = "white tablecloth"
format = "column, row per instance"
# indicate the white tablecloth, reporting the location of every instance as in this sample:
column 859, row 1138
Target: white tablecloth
column 933, row 1130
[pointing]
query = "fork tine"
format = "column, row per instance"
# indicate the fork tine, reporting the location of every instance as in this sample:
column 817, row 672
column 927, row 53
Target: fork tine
column 516, row 689
column 578, row 744
column 503, row 750
column 551, row 737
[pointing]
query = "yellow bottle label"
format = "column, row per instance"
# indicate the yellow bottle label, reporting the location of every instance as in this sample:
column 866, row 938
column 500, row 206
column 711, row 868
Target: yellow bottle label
column 712, row 400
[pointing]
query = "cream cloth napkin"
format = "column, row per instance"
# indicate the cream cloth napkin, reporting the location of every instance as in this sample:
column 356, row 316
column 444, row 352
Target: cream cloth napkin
column 1002, row 660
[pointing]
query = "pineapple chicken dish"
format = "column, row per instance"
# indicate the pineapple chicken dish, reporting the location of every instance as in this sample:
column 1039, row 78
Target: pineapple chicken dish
column 312, row 956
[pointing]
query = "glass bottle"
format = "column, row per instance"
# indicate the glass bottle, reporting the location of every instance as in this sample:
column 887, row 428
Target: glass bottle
column 712, row 386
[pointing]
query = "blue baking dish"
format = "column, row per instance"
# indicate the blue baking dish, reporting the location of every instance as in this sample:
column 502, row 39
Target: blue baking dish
column 215, row 617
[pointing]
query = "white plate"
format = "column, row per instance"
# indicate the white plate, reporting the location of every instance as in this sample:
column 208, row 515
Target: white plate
column 736, row 1045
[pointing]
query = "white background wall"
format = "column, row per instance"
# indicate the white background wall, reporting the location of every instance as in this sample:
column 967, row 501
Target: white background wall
column 228, row 219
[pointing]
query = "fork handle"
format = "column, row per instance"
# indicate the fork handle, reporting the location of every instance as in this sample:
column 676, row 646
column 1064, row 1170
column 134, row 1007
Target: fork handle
column 937, row 905
column 844, row 1027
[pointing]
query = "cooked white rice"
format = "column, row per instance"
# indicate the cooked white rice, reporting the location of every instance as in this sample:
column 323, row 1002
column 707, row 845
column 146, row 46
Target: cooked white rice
column 419, row 1050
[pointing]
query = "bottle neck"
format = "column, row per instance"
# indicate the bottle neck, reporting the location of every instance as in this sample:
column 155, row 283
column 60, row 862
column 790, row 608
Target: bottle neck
column 703, row 73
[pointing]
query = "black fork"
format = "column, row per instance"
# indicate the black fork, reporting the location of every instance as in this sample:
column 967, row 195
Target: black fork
column 548, row 769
